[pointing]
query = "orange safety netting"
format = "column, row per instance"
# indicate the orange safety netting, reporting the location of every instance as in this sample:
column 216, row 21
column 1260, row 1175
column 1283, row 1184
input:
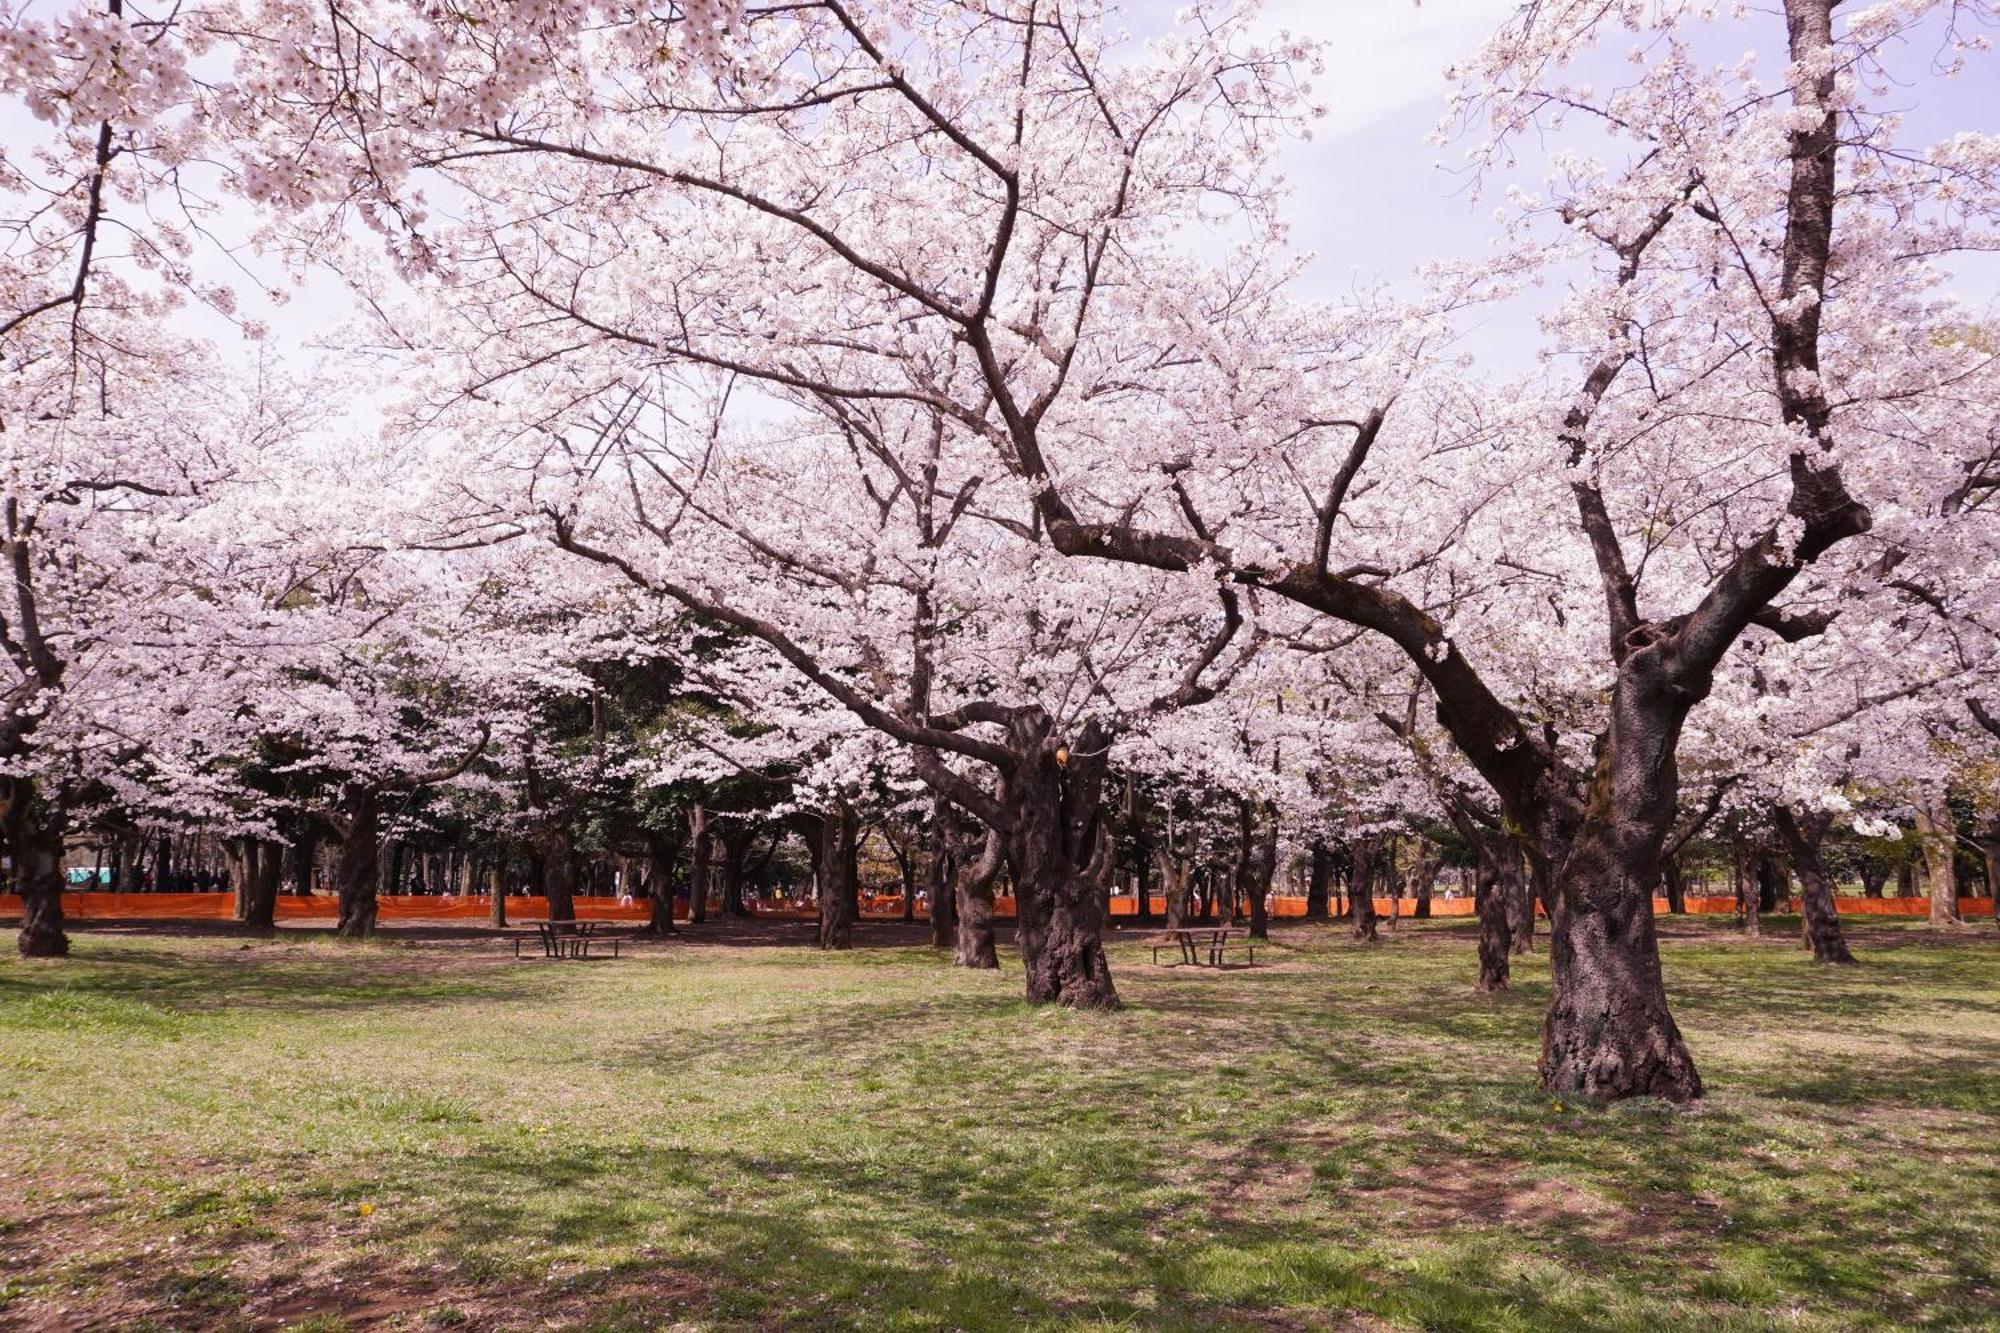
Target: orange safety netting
column 98, row 906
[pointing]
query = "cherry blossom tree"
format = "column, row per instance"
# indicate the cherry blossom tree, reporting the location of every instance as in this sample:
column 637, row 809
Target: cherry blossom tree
column 1729, row 346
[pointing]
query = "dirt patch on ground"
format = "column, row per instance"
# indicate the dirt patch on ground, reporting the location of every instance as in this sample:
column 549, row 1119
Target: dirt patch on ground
column 1476, row 1193
column 73, row 1269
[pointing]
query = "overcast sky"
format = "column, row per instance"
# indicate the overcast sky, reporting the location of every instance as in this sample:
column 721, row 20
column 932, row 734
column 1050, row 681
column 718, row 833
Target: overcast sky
column 1373, row 198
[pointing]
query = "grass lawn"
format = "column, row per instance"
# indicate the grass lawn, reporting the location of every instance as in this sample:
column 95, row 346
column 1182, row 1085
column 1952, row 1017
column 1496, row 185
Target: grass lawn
column 222, row 1133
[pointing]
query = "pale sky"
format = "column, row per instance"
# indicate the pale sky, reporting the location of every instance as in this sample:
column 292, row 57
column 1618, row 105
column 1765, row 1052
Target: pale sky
column 1373, row 198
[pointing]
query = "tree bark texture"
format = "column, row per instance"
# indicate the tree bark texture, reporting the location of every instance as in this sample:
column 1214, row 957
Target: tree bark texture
column 34, row 827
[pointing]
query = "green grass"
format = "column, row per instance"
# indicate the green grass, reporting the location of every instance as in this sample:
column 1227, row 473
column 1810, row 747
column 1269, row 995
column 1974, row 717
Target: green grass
column 711, row 1137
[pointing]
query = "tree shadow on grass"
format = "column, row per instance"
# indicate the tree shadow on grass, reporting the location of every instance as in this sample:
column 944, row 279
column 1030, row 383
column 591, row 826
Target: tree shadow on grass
column 809, row 1236
column 1964, row 1077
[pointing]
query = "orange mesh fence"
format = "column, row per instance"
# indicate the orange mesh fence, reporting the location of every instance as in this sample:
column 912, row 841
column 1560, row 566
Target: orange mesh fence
column 1911, row 906
column 98, row 906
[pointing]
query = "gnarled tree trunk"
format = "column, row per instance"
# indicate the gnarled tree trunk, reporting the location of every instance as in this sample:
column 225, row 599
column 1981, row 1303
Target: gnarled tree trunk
column 1524, row 889
column 838, row 876
column 663, row 853
column 1497, row 884
column 1174, row 888
column 1142, row 883
column 943, row 880
column 737, row 835
column 1256, row 860
column 260, row 864
column 356, row 863
column 700, row 845
column 1749, row 893
column 1675, row 879
column 34, row 828
column 496, row 892
column 1773, row 884
column 557, row 846
column 1361, row 895
column 1056, row 849
column 300, row 856
column 1803, row 835
column 1318, row 887
column 1608, row 1033
column 1939, row 833
column 974, row 893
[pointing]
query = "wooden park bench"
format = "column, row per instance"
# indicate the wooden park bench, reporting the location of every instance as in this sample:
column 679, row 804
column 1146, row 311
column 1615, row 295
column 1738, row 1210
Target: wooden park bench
column 1199, row 944
column 567, row 939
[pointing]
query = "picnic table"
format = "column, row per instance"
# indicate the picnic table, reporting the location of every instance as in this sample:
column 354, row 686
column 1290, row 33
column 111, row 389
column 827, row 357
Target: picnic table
column 1199, row 943
column 565, row 939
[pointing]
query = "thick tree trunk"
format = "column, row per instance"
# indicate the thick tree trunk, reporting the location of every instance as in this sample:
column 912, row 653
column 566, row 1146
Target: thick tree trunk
column 973, row 891
column 1749, row 892
column 701, row 841
column 257, row 897
column 1906, row 879
column 1524, row 887
column 663, row 853
column 1173, row 885
column 1361, row 894
column 973, row 946
column 1675, row 879
column 1256, row 861
column 1321, row 882
column 838, row 879
column 1940, row 841
column 34, row 828
column 903, row 849
column 356, row 864
column 235, row 861
column 302, row 853
column 1773, row 885
column 736, row 839
column 943, row 882
column 1142, row 888
column 558, row 857
column 1493, row 896
column 1803, row 836
column 496, row 892
column 1873, row 877
column 1056, row 850
column 1608, row 1033
column 1259, row 887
